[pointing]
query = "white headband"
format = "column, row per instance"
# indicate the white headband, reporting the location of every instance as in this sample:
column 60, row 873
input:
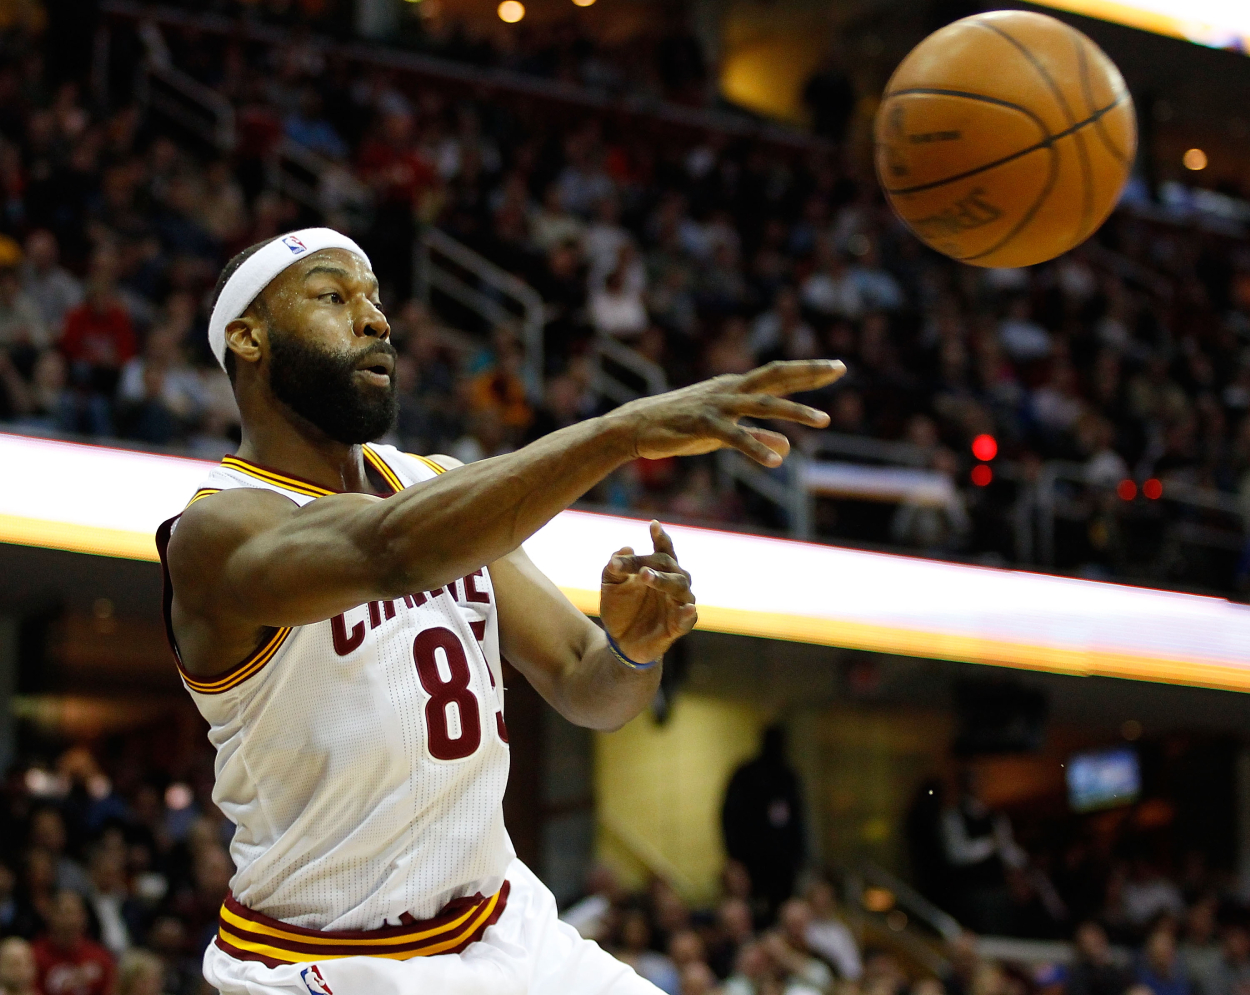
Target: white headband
column 260, row 268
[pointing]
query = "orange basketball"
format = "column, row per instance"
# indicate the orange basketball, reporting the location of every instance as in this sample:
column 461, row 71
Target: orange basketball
column 1004, row 139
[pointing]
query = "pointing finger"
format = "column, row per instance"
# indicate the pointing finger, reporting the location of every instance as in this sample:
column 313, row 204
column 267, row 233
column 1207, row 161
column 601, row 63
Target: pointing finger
column 794, row 376
column 768, row 406
column 661, row 540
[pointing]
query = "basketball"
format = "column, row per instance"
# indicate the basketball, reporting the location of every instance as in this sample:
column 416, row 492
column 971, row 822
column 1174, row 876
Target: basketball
column 1004, row 139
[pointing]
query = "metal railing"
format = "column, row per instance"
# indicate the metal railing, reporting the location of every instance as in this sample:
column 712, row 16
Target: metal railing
column 296, row 171
column 869, row 450
column 1050, row 504
column 446, row 266
column 318, row 182
column 1061, row 491
column 909, row 899
column 161, row 86
column 928, row 944
column 782, row 487
column 923, row 931
column 795, row 487
column 450, row 267
column 611, row 359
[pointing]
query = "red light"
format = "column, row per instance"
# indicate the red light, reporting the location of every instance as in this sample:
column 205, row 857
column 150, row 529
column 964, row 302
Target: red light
column 1153, row 489
column 1127, row 489
column 985, row 447
column 982, row 474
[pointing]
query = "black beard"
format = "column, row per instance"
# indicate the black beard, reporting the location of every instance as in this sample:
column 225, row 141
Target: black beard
column 321, row 388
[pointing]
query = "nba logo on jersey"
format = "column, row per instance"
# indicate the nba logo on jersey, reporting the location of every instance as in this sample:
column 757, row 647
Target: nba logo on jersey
column 314, row 981
column 294, row 244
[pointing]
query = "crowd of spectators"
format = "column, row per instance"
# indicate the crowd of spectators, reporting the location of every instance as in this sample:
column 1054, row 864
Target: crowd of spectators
column 113, row 865
column 1151, row 936
column 660, row 59
column 780, row 927
column 741, row 946
column 111, row 876
column 704, row 254
column 108, row 888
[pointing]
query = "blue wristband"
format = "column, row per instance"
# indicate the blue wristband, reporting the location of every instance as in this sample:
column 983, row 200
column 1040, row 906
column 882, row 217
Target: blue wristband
column 616, row 652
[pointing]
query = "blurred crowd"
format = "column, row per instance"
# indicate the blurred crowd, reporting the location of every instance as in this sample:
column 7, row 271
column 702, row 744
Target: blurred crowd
column 114, row 862
column 109, row 887
column 781, row 928
column 1153, row 937
column 703, row 254
column 111, row 875
column 738, row 947
column 660, row 59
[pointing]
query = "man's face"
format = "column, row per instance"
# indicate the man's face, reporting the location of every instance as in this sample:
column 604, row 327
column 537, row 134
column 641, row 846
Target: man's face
column 796, row 916
column 17, row 964
column 68, row 919
column 47, row 831
column 1092, row 941
column 330, row 359
column 41, row 250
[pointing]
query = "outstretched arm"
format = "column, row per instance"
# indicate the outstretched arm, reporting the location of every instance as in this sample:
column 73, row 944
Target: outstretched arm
column 245, row 559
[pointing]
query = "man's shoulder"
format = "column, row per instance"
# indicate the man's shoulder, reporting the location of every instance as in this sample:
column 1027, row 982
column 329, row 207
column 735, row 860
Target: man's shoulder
column 214, row 509
column 217, row 522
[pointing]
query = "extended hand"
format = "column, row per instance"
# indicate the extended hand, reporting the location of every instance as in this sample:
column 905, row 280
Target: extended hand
column 645, row 602
column 704, row 417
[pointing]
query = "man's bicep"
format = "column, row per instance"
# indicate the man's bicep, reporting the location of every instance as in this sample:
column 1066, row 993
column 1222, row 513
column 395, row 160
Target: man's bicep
column 541, row 632
column 253, row 557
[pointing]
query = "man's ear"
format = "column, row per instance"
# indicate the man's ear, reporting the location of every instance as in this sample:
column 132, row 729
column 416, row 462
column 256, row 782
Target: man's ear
column 246, row 337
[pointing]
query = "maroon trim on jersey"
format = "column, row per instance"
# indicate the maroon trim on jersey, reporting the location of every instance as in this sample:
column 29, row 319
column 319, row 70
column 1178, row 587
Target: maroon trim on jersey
column 371, row 459
column 239, row 954
column 270, row 471
column 248, row 935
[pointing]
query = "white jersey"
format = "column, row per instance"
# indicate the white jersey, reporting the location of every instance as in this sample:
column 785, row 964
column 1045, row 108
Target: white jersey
column 363, row 759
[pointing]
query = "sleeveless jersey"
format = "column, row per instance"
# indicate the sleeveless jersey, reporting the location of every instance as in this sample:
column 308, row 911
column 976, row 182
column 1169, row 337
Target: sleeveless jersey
column 362, row 759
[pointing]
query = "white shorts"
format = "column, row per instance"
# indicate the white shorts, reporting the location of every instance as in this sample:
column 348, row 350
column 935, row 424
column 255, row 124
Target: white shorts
column 529, row 951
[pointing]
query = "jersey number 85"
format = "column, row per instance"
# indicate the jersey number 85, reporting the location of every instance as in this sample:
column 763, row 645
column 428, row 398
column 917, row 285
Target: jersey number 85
column 455, row 690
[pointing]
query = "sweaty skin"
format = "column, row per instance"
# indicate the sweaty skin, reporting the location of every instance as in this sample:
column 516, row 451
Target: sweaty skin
column 247, row 559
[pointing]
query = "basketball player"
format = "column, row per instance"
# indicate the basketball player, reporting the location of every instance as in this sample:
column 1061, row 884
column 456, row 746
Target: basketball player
column 339, row 611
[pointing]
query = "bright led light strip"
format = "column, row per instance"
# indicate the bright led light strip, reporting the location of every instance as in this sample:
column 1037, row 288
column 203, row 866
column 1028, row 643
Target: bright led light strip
column 1214, row 23
column 106, row 501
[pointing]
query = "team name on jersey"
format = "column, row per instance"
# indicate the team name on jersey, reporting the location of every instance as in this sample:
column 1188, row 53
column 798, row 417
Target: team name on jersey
column 462, row 591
